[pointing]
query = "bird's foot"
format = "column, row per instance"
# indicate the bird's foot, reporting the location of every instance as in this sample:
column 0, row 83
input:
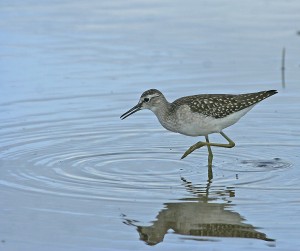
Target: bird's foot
column 193, row 148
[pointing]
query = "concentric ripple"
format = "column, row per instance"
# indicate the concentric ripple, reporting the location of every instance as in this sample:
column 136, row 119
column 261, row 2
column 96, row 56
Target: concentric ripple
column 58, row 167
column 94, row 155
column 80, row 155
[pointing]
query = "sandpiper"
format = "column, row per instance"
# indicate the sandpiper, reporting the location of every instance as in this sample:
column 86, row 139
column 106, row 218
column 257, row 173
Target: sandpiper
column 199, row 115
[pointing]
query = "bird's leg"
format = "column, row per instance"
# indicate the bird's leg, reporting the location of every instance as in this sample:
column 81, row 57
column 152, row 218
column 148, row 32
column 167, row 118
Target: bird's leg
column 210, row 154
column 200, row 144
column 193, row 148
column 210, row 158
column 231, row 143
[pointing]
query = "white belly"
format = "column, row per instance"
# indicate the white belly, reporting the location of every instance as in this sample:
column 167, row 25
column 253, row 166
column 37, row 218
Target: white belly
column 194, row 124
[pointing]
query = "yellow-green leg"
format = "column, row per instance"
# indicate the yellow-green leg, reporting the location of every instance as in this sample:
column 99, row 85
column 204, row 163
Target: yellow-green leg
column 210, row 154
column 209, row 144
column 210, row 159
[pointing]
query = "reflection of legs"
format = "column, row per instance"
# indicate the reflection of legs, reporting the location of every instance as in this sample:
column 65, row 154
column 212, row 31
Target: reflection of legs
column 200, row 144
column 202, row 193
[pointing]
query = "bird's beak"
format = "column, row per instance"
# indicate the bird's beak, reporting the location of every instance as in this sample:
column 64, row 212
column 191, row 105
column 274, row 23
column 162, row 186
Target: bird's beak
column 131, row 111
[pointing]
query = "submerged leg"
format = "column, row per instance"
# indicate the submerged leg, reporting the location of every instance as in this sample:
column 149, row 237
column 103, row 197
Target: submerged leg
column 210, row 158
column 200, row 144
column 210, row 154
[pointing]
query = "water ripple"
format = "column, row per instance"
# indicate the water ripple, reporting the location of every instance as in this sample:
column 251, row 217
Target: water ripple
column 89, row 157
column 45, row 156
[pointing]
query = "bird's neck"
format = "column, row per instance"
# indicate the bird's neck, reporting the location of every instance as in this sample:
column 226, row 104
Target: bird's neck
column 161, row 108
column 163, row 111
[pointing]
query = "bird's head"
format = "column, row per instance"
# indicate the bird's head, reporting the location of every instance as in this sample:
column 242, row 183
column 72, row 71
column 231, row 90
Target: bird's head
column 150, row 99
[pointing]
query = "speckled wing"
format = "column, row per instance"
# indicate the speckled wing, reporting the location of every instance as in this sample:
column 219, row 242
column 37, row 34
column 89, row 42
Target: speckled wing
column 222, row 105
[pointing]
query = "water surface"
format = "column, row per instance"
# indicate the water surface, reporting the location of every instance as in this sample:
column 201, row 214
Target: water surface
column 73, row 176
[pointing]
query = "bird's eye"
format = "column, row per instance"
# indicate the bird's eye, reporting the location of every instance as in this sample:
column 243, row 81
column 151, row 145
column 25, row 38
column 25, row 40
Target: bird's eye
column 146, row 99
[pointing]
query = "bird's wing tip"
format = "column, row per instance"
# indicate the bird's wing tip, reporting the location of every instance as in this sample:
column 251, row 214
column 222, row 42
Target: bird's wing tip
column 272, row 92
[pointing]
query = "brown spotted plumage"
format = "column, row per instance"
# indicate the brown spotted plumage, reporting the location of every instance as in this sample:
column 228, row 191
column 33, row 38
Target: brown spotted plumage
column 221, row 105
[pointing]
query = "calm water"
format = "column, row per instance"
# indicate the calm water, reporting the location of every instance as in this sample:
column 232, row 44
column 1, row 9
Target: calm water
column 73, row 176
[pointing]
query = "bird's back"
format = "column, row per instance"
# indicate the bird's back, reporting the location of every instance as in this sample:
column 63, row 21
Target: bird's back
column 221, row 105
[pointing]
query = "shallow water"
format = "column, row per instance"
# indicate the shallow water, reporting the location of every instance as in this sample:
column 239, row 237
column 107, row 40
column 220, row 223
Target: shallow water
column 73, row 176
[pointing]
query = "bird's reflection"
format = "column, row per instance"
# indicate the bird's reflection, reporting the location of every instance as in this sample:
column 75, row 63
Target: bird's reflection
column 198, row 216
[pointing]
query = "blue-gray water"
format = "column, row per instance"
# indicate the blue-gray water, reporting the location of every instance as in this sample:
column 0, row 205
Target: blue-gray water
column 73, row 176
